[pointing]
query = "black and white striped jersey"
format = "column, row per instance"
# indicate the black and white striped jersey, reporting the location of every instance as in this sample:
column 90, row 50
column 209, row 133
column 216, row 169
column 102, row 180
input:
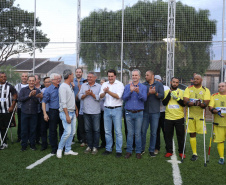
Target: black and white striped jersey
column 6, row 94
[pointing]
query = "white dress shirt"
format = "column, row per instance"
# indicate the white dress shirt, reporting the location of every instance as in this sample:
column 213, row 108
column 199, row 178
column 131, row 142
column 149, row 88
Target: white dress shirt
column 118, row 88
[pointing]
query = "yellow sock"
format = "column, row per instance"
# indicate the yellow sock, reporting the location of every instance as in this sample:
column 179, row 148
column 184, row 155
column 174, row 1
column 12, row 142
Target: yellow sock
column 220, row 148
column 193, row 145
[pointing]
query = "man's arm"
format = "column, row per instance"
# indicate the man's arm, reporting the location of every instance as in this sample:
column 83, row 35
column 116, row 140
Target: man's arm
column 160, row 93
column 23, row 97
column 13, row 101
column 68, row 119
column 167, row 99
column 127, row 93
column 46, row 117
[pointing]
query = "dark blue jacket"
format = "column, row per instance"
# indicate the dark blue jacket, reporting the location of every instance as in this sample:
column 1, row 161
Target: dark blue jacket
column 152, row 105
column 29, row 104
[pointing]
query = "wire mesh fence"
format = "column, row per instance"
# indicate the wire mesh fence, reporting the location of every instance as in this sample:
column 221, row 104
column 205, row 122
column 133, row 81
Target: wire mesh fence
column 103, row 32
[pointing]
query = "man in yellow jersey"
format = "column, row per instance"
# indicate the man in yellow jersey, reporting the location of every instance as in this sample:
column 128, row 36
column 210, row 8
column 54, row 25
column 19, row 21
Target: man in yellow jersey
column 197, row 98
column 218, row 107
column 174, row 117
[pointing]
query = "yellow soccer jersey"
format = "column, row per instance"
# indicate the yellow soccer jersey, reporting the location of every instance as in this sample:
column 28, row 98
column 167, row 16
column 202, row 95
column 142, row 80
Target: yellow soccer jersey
column 218, row 102
column 174, row 110
column 193, row 93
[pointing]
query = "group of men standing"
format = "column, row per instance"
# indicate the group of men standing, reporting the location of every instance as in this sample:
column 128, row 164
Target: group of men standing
column 145, row 104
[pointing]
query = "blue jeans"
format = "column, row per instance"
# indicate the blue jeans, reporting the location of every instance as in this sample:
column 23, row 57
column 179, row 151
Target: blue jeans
column 153, row 119
column 115, row 116
column 92, row 128
column 28, row 128
column 69, row 131
column 134, row 125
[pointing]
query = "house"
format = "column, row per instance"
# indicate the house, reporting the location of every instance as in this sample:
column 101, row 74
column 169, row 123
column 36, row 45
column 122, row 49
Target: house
column 211, row 78
column 43, row 66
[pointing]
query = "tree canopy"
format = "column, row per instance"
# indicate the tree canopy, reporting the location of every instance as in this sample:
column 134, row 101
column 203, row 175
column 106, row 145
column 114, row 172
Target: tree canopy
column 147, row 22
column 17, row 30
column 12, row 76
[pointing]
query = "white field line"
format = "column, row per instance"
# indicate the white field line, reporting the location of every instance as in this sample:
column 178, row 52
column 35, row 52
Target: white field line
column 40, row 161
column 176, row 170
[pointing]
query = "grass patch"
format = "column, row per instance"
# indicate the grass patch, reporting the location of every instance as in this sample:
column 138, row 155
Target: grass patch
column 98, row 169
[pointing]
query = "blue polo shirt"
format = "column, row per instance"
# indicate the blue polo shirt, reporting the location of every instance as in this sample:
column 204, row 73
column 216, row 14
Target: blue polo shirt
column 76, row 89
column 135, row 101
column 152, row 105
column 51, row 96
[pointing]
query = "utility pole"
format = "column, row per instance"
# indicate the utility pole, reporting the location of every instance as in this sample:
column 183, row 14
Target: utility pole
column 78, row 32
column 170, row 41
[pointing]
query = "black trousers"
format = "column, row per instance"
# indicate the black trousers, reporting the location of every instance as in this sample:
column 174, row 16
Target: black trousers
column 160, row 126
column 44, row 129
column 19, row 123
column 4, row 122
column 79, row 137
column 38, row 128
column 169, row 132
column 81, row 127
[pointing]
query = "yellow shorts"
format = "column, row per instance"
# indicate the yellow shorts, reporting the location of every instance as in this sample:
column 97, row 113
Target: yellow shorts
column 219, row 134
column 195, row 125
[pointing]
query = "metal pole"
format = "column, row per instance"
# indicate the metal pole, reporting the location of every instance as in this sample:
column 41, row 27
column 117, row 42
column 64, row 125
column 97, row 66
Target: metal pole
column 34, row 37
column 78, row 31
column 122, row 38
column 222, row 48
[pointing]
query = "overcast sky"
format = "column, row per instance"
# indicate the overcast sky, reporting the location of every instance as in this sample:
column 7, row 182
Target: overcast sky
column 59, row 17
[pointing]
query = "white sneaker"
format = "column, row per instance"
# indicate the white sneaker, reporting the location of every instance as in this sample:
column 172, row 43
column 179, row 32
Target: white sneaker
column 59, row 153
column 70, row 153
column 87, row 150
column 94, row 151
column 156, row 152
column 4, row 145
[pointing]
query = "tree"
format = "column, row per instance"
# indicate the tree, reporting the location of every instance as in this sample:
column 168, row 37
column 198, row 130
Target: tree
column 17, row 30
column 147, row 22
column 12, row 76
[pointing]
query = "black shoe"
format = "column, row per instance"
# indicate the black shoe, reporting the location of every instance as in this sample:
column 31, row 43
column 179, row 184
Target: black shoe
column 53, row 152
column 33, row 148
column 22, row 149
column 106, row 152
column 152, row 154
column 18, row 140
column 118, row 154
column 38, row 142
column 101, row 146
column 194, row 157
column 43, row 148
column 142, row 152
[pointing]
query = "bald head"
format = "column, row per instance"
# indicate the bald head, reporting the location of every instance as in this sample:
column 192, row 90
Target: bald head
column 222, row 88
column 197, row 80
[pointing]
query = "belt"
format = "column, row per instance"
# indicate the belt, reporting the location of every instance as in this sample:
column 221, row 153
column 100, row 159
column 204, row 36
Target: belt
column 54, row 109
column 113, row 107
column 134, row 111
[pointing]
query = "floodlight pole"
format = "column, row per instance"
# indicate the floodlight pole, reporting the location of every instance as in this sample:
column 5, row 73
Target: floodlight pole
column 122, row 38
column 34, row 42
column 78, row 32
column 222, row 48
column 170, row 41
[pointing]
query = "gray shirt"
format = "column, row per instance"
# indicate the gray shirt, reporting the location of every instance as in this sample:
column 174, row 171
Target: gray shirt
column 90, row 105
column 66, row 98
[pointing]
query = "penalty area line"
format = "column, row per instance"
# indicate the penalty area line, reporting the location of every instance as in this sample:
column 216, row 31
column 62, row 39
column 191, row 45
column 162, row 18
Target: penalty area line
column 40, row 161
column 176, row 170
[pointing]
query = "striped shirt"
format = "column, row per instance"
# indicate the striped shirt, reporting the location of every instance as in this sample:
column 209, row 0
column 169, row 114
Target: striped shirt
column 6, row 94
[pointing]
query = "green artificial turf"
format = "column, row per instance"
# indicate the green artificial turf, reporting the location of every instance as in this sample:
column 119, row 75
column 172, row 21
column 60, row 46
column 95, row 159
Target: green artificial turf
column 98, row 169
